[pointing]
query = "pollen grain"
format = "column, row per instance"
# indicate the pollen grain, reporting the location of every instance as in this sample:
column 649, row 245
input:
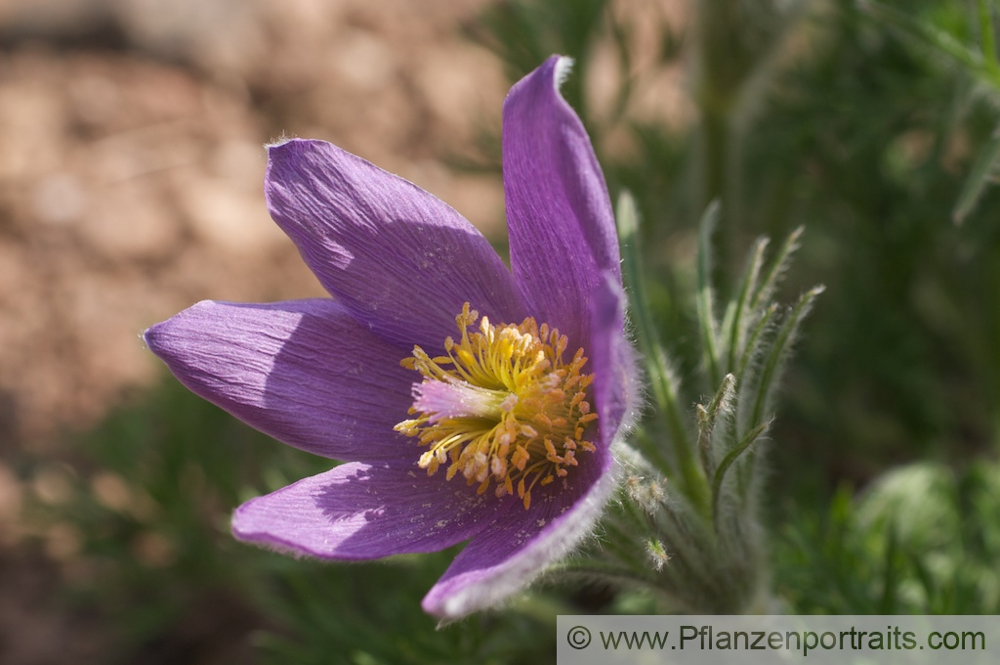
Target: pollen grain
column 501, row 407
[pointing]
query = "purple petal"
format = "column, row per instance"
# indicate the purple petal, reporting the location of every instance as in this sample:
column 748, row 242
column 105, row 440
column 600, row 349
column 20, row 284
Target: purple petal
column 304, row 372
column 616, row 372
column 510, row 554
column 398, row 258
column 562, row 231
column 507, row 556
column 360, row 511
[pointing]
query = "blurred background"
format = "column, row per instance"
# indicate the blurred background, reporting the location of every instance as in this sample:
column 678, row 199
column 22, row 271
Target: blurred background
column 131, row 187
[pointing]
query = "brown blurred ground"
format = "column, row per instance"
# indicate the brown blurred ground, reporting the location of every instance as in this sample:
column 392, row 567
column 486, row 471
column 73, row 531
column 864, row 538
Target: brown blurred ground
column 130, row 187
column 131, row 175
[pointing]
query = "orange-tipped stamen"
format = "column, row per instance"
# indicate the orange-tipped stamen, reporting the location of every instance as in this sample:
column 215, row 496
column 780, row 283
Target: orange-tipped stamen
column 501, row 406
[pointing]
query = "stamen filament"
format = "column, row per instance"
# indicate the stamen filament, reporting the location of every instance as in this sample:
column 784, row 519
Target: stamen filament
column 501, row 406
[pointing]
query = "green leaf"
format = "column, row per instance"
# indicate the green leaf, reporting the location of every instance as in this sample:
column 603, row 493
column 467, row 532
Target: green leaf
column 706, row 315
column 982, row 172
column 779, row 351
column 728, row 460
column 748, row 285
column 983, row 68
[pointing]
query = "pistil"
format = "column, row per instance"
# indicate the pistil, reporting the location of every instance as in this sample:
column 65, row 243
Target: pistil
column 501, row 407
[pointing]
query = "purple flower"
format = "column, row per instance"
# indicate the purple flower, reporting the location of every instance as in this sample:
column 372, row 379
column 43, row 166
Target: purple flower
column 432, row 354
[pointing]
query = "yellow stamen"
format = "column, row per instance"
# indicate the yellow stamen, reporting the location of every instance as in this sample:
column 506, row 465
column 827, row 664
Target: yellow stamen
column 501, row 407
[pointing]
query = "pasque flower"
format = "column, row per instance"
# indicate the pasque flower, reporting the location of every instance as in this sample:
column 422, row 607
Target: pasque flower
column 468, row 401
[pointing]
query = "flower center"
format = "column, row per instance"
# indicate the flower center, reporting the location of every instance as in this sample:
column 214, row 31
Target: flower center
column 501, row 407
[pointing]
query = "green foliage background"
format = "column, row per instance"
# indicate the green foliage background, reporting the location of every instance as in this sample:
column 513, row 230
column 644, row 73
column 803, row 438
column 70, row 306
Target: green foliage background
column 870, row 123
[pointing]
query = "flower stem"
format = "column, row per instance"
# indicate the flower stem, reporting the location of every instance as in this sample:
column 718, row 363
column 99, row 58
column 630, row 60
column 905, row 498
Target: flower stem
column 661, row 379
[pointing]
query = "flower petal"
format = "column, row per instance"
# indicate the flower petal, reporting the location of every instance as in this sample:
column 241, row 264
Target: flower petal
column 616, row 371
column 359, row 511
column 562, row 231
column 304, row 372
column 510, row 554
column 398, row 258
